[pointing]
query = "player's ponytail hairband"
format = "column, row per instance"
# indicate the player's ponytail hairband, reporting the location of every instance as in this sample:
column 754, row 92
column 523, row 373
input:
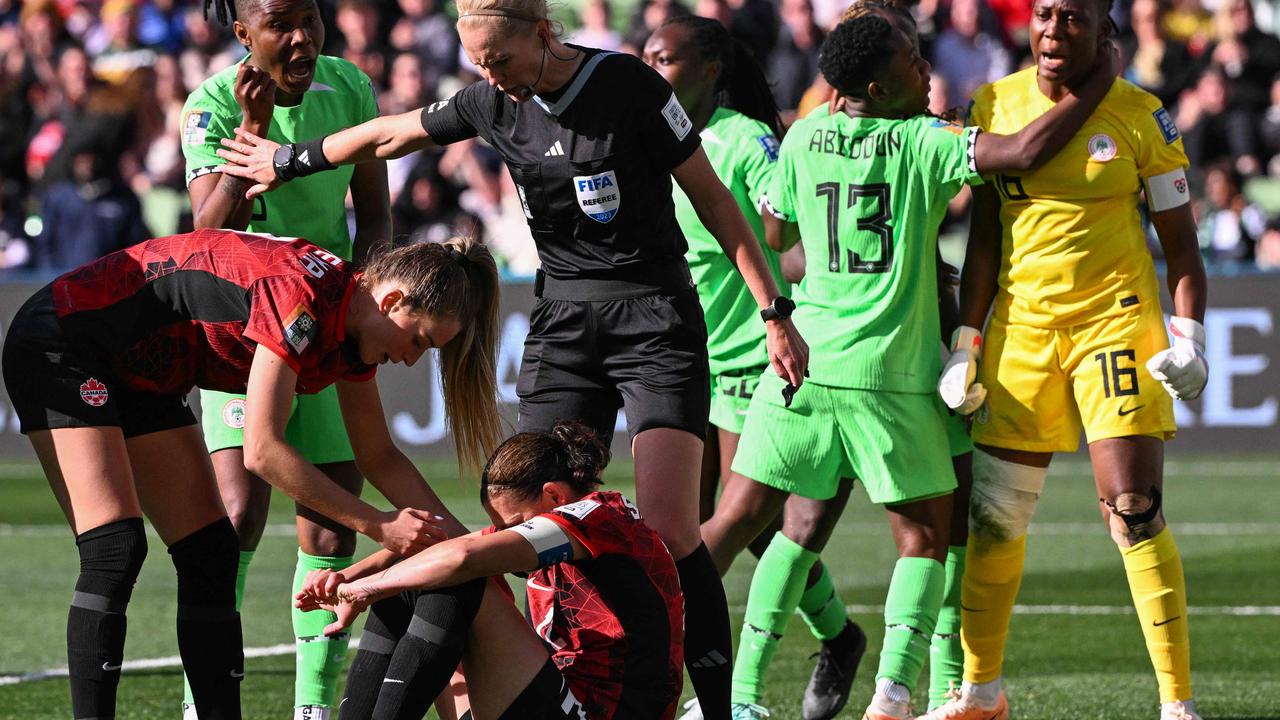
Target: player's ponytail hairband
column 502, row 13
column 456, row 255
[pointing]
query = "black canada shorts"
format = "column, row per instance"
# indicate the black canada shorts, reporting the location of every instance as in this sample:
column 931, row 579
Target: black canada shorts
column 585, row 359
column 52, row 384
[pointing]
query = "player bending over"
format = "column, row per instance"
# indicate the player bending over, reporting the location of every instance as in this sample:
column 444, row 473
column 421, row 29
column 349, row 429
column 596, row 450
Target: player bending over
column 603, row 596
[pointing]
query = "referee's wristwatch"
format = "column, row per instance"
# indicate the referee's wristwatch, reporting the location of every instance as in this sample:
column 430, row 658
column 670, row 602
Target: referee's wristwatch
column 780, row 309
column 283, row 162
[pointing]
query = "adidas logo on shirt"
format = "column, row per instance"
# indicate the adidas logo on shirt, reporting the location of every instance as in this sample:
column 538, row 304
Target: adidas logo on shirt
column 554, row 151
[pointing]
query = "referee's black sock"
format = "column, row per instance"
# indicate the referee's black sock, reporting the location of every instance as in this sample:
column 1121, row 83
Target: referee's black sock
column 110, row 557
column 708, row 646
column 429, row 652
column 387, row 621
column 209, row 638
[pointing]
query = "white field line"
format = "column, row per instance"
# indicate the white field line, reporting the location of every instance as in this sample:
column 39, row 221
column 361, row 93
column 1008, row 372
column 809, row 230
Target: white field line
column 1205, row 610
column 152, row 663
column 288, row 648
column 1063, row 465
column 844, row 528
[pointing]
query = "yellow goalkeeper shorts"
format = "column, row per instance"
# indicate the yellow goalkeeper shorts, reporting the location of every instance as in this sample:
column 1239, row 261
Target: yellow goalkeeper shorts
column 1046, row 384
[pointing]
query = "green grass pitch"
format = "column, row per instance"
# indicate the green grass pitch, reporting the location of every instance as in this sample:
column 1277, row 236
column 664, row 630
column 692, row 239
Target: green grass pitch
column 1074, row 651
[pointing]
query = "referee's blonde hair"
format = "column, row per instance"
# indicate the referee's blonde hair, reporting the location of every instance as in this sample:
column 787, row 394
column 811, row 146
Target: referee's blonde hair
column 511, row 15
column 458, row 278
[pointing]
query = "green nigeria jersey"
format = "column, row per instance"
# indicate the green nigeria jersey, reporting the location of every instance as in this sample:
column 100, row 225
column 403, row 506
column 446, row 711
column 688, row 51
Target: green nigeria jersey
column 744, row 153
column 314, row 207
column 868, row 194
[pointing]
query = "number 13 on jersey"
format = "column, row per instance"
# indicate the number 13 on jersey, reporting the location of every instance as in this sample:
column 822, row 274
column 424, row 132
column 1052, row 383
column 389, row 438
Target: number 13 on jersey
column 871, row 203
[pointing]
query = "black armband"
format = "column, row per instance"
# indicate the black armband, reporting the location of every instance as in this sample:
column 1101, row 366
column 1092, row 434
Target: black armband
column 301, row 159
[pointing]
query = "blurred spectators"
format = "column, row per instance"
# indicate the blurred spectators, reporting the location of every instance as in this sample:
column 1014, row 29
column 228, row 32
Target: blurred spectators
column 427, row 32
column 1229, row 225
column 1269, row 247
column 597, row 26
column 794, row 61
column 1249, row 58
column 114, row 45
column 1212, row 129
column 1162, row 66
column 358, row 24
column 117, row 72
column 968, row 56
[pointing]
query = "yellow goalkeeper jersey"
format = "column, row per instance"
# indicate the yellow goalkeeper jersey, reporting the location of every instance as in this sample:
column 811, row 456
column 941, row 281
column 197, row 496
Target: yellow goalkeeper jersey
column 1074, row 249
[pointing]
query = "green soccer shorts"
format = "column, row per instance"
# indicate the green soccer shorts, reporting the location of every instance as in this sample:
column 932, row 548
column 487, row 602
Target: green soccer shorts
column 894, row 443
column 731, row 397
column 315, row 426
column 957, row 432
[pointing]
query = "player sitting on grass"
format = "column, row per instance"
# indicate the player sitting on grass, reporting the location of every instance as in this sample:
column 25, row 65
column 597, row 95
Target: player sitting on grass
column 868, row 187
column 603, row 595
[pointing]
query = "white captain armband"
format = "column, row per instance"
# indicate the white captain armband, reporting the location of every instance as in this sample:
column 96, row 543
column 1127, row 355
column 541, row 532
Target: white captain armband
column 1167, row 191
column 548, row 539
column 766, row 206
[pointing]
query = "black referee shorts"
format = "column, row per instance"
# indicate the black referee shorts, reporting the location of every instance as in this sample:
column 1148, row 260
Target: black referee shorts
column 54, row 385
column 585, row 359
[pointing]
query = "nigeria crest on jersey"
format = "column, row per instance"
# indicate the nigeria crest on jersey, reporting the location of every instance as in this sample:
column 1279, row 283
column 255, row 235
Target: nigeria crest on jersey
column 598, row 195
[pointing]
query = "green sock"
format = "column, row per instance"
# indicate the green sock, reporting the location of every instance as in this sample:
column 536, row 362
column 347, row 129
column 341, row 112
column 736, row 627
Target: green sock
column 910, row 614
column 946, row 655
column 822, row 608
column 320, row 658
column 775, row 591
column 242, row 571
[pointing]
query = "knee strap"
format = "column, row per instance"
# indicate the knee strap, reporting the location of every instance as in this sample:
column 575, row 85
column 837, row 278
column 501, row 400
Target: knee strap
column 1134, row 520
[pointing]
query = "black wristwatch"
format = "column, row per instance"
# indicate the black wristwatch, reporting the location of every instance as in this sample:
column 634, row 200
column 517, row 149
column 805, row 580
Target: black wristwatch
column 780, row 309
column 283, row 162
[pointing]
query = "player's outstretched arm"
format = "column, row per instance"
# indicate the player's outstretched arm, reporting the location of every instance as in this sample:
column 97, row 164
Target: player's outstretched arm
column 719, row 213
column 379, row 460
column 978, row 286
column 382, row 138
column 453, row 562
column 269, row 456
column 1182, row 368
column 1040, row 140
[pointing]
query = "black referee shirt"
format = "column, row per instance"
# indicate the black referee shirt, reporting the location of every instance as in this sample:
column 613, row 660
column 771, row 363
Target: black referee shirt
column 592, row 163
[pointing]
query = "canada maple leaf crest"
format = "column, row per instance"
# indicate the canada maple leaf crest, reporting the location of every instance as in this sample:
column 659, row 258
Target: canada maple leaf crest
column 93, row 392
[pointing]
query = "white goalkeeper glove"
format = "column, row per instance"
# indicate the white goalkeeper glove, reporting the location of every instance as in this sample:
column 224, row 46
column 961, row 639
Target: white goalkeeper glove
column 956, row 385
column 1182, row 368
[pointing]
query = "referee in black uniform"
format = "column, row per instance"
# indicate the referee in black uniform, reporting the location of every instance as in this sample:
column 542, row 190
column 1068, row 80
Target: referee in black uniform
column 592, row 140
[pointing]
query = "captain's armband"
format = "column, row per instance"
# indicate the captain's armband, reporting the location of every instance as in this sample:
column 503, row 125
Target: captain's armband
column 1167, row 191
column 549, row 540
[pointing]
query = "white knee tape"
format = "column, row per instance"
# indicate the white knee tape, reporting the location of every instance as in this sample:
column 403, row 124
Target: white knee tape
column 1004, row 496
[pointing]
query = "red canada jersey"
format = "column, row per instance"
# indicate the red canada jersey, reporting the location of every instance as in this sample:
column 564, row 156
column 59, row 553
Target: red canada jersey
column 614, row 621
column 189, row 311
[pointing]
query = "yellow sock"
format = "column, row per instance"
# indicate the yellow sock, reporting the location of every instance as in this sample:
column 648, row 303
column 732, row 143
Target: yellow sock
column 1154, row 568
column 992, row 575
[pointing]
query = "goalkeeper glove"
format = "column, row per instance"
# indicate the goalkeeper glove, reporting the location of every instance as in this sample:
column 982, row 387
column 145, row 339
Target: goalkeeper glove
column 956, row 385
column 1182, row 368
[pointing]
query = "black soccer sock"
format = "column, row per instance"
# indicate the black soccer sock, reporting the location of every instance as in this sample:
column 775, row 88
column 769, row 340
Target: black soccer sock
column 708, row 646
column 209, row 638
column 387, row 621
column 110, row 557
column 429, row 652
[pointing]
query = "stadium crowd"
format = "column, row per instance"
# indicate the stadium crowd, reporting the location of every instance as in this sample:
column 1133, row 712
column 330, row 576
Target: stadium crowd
column 91, row 97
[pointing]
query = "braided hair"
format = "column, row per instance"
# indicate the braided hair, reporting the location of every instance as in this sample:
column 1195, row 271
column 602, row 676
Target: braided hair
column 742, row 85
column 227, row 11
